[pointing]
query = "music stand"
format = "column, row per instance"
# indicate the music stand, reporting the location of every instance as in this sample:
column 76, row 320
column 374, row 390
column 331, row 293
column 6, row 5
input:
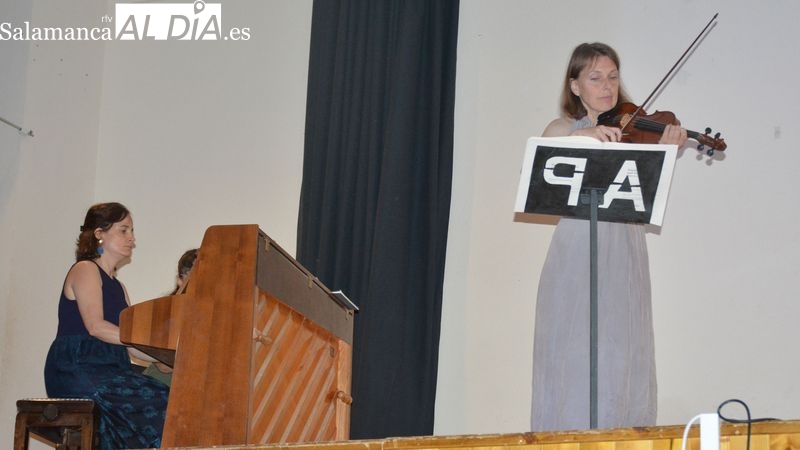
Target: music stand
column 570, row 177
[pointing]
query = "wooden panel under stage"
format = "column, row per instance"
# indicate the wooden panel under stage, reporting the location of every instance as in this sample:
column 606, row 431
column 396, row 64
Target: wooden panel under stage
column 774, row 435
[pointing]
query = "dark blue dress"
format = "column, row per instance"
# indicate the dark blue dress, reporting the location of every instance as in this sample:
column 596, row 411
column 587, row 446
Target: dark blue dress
column 132, row 406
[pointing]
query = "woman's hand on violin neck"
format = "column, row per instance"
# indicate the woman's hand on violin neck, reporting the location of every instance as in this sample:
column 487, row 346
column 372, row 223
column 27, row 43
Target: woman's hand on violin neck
column 673, row 134
column 601, row 133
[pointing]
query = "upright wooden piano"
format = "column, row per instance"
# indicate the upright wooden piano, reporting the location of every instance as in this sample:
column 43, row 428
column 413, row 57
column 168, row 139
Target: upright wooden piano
column 261, row 349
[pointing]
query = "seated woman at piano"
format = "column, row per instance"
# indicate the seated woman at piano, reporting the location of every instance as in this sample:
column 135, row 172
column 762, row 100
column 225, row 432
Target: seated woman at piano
column 87, row 359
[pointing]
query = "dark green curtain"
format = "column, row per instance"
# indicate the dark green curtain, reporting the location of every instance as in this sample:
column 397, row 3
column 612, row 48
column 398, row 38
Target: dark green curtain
column 375, row 199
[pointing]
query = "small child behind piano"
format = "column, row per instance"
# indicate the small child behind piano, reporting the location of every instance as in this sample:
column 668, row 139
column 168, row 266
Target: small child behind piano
column 157, row 370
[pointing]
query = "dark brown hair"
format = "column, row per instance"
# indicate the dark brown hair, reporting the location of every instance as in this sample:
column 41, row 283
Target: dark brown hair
column 102, row 216
column 582, row 57
column 185, row 265
column 186, row 262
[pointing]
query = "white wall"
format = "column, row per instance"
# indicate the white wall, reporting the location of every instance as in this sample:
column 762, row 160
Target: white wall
column 201, row 133
column 54, row 89
column 12, row 101
column 193, row 134
column 723, row 265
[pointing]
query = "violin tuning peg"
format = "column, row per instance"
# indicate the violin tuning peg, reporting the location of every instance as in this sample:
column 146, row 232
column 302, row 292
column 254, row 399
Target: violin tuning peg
column 716, row 136
column 708, row 130
column 700, row 147
column 710, row 152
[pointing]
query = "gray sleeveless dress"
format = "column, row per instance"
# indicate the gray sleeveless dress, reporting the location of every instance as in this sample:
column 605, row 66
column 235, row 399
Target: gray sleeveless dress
column 626, row 351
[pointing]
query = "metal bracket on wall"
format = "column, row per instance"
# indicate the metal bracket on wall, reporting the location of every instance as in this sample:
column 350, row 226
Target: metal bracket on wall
column 17, row 127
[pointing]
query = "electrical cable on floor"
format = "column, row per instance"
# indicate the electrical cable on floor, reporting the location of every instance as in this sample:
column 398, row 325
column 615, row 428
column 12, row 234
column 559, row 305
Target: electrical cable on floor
column 749, row 421
column 686, row 431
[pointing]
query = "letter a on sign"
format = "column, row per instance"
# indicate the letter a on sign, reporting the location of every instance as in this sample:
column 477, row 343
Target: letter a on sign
column 627, row 171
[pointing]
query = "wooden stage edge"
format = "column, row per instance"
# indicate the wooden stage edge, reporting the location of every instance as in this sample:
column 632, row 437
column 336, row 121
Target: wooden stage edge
column 771, row 435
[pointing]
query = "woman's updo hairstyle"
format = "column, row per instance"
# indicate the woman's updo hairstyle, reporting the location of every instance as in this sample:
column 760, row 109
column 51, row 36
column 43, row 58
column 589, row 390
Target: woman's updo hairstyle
column 102, row 216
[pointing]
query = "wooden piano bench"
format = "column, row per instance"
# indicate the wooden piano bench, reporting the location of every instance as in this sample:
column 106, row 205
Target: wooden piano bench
column 63, row 423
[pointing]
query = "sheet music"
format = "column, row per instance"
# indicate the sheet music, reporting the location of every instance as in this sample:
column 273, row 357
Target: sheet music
column 343, row 300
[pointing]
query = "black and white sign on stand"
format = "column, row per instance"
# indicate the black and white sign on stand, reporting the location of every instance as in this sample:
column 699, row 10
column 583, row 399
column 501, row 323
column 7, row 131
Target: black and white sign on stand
column 608, row 181
column 633, row 178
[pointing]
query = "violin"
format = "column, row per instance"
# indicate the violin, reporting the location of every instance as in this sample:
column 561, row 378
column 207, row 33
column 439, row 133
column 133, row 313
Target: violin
column 647, row 129
column 639, row 127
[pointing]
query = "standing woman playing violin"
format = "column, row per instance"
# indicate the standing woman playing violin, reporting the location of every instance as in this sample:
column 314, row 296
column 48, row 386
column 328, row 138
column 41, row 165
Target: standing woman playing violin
column 626, row 361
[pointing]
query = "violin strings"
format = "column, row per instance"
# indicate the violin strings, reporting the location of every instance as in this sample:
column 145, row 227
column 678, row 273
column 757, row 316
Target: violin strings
column 649, row 125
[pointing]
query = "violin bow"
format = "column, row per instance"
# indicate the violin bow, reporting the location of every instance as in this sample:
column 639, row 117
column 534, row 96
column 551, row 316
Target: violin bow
column 666, row 77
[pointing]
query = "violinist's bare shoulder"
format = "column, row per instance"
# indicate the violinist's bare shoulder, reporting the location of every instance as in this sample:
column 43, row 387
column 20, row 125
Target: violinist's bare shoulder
column 559, row 127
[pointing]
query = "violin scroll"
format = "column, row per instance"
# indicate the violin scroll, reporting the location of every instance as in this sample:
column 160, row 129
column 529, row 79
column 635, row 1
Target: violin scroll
column 714, row 143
